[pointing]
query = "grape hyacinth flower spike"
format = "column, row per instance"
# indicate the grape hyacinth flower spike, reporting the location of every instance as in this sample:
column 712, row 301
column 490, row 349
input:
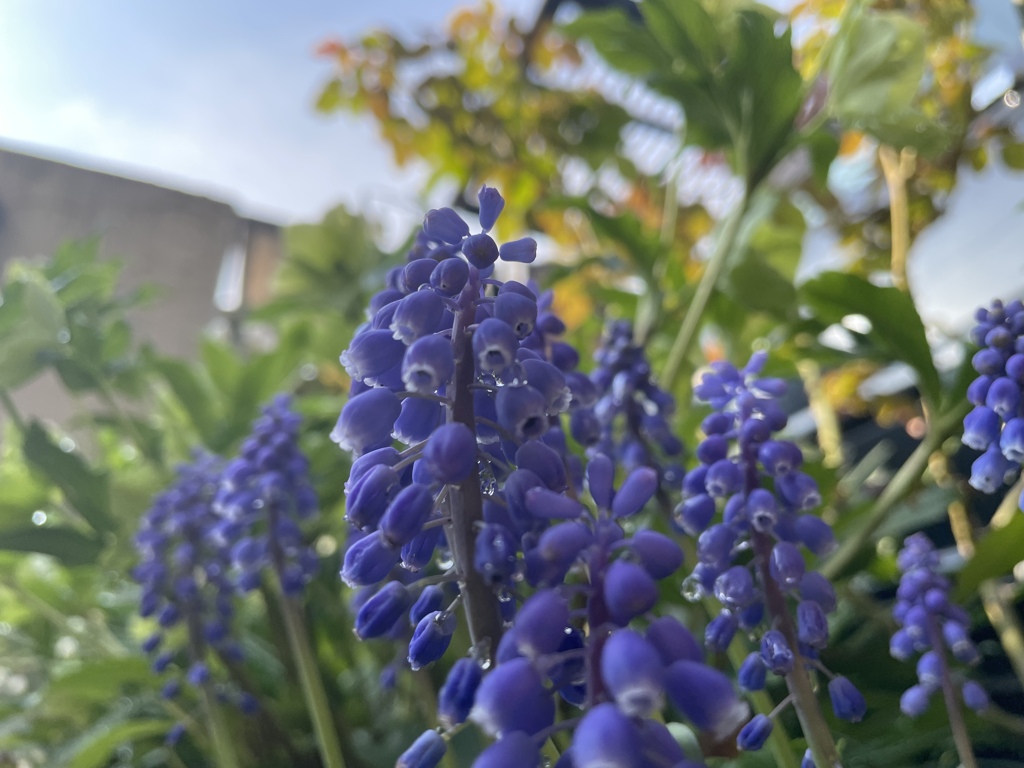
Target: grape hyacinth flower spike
column 996, row 424
column 936, row 630
column 752, row 558
column 184, row 574
column 483, row 516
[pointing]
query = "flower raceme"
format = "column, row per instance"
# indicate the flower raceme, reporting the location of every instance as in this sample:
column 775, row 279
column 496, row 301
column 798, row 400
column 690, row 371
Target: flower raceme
column 751, row 558
column 996, row 425
column 485, row 516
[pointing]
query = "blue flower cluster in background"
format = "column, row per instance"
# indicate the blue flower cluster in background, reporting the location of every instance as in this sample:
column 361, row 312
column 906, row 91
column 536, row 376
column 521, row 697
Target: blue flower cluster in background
column 752, row 560
column 184, row 573
column 996, row 425
column 934, row 627
column 630, row 420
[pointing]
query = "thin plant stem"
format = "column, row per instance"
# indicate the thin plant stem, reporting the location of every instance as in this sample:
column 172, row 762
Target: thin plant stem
column 312, row 685
column 956, row 716
column 223, row 744
column 684, row 340
column 902, row 483
column 897, row 167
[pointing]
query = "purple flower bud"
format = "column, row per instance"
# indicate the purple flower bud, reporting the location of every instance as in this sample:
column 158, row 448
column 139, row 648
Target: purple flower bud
column 989, row 362
column 419, row 551
column 974, row 696
column 513, row 750
column 450, row 453
column 959, row 642
column 430, row 600
column 480, row 250
column 406, row 514
column 174, row 734
column 522, row 411
column 417, row 419
column 369, row 496
column 780, row 457
column 426, row 752
column 714, row 547
column 723, row 479
column 776, row 653
column 523, row 250
column 735, row 587
column 706, row 697
column 562, row 543
column 368, row 561
column 550, row 382
column 989, row 471
column 445, row 225
column 450, row 276
column 1011, row 442
column 981, row 428
column 512, row 698
column 366, row 421
column 198, row 674
column 762, row 509
column 418, row 314
column 787, row 565
column 754, row 734
column 541, row 622
column 372, row 354
column 978, row 390
column 808, row 760
column 720, row 631
column 847, row 702
column 812, row 625
column 713, row 448
column 637, row 489
column 544, row 462
column 929, row 670
column 428, row 364
column 382, row 611
column 491, row 205
column 914, row 701
column 563, row 356
column 494, row 345
column 431, row 638
column 600, row 476
column 799, row 491
column 413, row 275
column 673, row 641
column 659, row 555
column 546, row 505
column 606, row 737
column 752, row 673
column 815, row 534
column 1004, row 397
column 629, row 591
column 152, row 642
column 455, row 699
column 695, row 513
column 517, row 311
column 633, row 673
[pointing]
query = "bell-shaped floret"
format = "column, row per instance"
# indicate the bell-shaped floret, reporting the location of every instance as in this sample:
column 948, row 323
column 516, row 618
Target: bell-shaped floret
column 606, row 737
column 431, row 638
column 633, row 673
column 455, row 699
column 512, row 698
column 706, row 697
column 366, row 421
column 428, row 364
column 450, row 453
column 629, row 591
column 445, row 225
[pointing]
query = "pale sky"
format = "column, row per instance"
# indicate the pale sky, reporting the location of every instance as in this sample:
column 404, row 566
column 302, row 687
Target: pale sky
column 216, row 97
column 212, row 97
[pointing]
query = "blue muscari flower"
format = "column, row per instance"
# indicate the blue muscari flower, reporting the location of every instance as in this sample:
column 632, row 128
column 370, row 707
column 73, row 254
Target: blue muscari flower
column 455, row 698
column 266, row 493
column 426, row 752
column 932, row 625
column 755, row 733
column 633, row 673
column 606, row 736
column 994, row 426
column 513, row 750
column 847, row 702
column 431, row 638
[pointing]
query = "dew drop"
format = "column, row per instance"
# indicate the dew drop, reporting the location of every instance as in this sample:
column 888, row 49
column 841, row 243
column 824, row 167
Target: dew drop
column 692, row 589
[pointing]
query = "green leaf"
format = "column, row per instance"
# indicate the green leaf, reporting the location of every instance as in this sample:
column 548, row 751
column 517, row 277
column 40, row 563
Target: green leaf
column 896, row 327
column 330, row 97
column 757, row 286
column 624, row 44
column 66, row 544
column 31, row 319
column 85, row 489
column 97, row 681
column 685, row 32
column 995, row 556
column 194, row 395
column 96, row 746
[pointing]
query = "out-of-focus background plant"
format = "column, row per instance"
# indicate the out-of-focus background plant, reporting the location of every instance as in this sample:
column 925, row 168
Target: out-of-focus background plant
column 725, row 175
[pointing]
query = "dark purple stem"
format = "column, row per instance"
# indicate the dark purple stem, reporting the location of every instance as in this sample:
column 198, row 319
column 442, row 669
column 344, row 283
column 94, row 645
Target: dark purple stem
column 956, row 716
column 466, row 510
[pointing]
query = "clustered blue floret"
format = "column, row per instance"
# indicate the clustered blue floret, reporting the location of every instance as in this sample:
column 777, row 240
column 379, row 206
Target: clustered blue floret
column 996, row 424
column 933, row 626
column 752, row 560
column 630, row 413
column 186, row 584
column 263, row 496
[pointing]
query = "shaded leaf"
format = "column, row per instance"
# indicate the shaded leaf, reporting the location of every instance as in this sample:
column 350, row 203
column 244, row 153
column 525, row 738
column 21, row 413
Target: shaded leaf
column 96, row 746
column 66, row 544
column 996, row 555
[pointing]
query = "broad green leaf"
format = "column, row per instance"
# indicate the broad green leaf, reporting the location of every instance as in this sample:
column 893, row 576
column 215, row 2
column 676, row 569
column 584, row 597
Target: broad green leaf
column 896, row 327
column 624, row 44
column 95, row 748
column 756, row 285
column 685, row 32
column 31, row 319
column 66, row 544
column 996, row 555
column 85, row 489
